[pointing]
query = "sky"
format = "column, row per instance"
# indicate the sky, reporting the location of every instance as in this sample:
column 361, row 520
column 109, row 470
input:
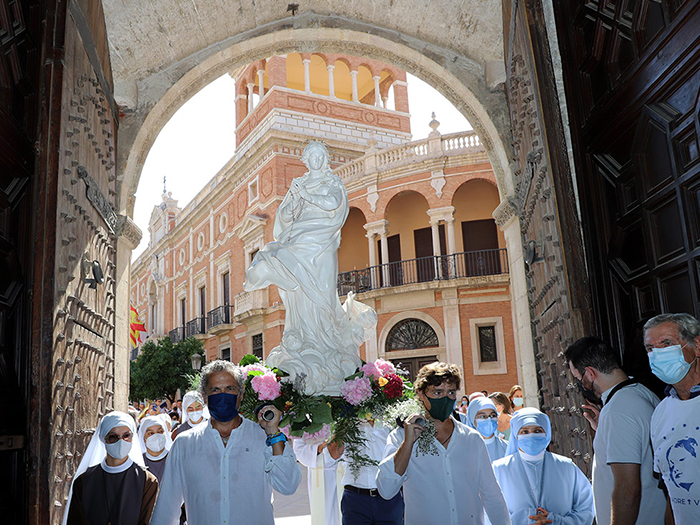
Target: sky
column 200, row 139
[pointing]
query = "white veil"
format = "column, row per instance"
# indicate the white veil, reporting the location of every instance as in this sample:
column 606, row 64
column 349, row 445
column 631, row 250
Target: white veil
column 96, row 451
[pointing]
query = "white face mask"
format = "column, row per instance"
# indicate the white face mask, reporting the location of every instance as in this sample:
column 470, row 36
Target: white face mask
column 156, row 442
column 118, row 450
column 518, row 401
column 195, row 417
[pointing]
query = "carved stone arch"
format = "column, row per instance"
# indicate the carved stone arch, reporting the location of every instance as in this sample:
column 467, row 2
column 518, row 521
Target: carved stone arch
column 162, row 94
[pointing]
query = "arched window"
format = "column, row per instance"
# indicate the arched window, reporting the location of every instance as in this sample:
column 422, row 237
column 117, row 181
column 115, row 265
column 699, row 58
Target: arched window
column 411, row 334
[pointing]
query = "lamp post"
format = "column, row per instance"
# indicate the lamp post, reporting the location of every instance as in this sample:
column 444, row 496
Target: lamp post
column 196, row 361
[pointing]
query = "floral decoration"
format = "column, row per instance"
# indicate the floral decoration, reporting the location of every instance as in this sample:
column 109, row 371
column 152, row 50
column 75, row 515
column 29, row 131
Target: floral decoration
column 366, row 395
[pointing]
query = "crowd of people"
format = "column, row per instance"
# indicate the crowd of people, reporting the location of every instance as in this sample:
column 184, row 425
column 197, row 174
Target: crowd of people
column 489, row 461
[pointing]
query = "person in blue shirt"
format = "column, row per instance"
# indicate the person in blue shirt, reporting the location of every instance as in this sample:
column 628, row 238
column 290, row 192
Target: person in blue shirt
column 540, row 487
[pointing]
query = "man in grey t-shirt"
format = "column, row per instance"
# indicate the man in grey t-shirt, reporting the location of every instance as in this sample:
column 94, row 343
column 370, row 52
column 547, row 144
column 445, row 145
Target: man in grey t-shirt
column 624, row 487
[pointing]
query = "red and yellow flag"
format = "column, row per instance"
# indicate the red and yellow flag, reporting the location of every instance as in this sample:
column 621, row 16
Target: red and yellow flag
column 136, row 327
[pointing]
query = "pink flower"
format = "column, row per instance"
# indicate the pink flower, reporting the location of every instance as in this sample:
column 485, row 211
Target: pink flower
column 386, row 367
column 370, row 370
column 266, row 386
column 319, row 437
column 357, row 390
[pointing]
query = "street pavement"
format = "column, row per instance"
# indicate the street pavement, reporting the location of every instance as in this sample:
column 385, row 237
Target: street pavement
column 294, row 509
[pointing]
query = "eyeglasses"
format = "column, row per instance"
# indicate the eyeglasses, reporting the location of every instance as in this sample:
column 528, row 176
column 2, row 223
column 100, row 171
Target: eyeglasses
column 484, row 416
column 110, row 439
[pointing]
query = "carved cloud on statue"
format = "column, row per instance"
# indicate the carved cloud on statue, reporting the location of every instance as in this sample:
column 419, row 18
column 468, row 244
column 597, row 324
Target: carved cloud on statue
column 321, row 337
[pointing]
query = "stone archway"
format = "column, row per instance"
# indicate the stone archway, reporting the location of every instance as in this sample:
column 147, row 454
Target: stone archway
column 149, row 103
column 462, row 82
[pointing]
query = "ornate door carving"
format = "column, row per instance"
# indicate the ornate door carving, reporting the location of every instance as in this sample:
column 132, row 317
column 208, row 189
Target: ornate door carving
column 545, row 204
column 632, row 76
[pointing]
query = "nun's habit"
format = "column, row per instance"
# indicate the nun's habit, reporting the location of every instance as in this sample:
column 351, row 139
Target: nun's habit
column 155, row 463
column 187, row 417
column 495, row 445
column 542, row 479
column 122, row 495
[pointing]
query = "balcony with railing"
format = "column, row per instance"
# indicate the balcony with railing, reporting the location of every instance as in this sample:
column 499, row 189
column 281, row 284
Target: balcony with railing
column 177, row 334
column 220, row 319
column 196, row 328
column 249, row 303
column 425, row 269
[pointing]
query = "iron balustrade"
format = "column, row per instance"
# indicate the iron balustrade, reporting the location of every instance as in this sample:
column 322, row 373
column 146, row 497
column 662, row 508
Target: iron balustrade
column 423, row 269
column 219, row 315
column 196, row 326
column 177, row 334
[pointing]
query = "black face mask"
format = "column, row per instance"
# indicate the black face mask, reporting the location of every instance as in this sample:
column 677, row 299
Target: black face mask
column 589, row 394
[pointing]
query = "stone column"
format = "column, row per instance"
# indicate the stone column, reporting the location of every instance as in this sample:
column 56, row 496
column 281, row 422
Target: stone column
column 251, row 88
column 372, row 260
column 127, row 241
column 508, row 222
column 331, row 81
column 261, row 83
column 453, row 330
column 378, row 228
column 355, row 96
column 385, row 257
column 307, row 75
column 445, row 214
column 377, row 94
column 437, row 252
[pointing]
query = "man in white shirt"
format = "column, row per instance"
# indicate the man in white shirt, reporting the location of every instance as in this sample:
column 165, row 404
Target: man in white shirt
column 455, row 484
column 624, row 488
column 672, row 342
column 224, row 471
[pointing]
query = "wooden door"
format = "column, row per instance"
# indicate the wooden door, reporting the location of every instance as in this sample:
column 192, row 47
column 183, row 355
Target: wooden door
column 425, row 265
column 480, row 241
column 413, row 364
column 20, row 53
column 632, row 76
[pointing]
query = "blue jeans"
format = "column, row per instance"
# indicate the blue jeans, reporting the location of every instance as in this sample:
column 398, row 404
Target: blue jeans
column 360, row 509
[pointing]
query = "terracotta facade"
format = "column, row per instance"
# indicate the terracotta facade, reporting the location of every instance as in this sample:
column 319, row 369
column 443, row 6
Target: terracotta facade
column 423, row 208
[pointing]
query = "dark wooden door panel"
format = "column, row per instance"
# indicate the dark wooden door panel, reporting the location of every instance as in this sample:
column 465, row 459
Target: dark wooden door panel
column 634, row 123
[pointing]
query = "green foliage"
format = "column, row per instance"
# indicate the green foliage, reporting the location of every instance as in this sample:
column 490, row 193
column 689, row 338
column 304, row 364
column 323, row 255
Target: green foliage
column 163, row 367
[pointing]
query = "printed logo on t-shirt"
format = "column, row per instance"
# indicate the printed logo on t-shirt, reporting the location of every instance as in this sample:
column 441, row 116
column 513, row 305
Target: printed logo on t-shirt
column 682, row 459
column 678, row 458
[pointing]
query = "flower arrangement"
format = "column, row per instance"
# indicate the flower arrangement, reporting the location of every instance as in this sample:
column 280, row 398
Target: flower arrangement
column 366, row 395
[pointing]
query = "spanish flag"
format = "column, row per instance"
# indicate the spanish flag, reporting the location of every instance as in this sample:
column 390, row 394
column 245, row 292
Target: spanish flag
column 136, row 328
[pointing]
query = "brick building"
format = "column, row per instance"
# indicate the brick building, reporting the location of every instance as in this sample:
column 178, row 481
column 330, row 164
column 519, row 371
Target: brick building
column 420, row 244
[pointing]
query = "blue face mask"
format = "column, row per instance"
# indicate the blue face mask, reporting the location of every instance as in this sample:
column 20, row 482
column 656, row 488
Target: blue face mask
column 223, row 406
column 487, row 427
column 533, row 444
column 669, row 364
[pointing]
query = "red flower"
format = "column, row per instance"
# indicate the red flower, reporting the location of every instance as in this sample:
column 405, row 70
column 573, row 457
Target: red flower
column 394, row 388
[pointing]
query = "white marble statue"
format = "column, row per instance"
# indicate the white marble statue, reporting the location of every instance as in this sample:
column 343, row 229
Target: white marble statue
column 321, row 338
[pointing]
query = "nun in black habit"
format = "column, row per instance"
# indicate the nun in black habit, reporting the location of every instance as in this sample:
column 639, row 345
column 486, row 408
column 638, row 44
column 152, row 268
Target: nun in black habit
column 111, row 485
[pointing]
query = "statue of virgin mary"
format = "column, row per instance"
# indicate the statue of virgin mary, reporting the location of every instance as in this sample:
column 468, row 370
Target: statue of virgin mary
column 321, row 337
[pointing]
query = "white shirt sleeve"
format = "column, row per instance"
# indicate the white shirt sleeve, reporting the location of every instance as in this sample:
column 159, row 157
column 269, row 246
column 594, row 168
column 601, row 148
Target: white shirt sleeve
column 305, row 453
column 167, row 509
column 283, row 471
column 388, row 481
